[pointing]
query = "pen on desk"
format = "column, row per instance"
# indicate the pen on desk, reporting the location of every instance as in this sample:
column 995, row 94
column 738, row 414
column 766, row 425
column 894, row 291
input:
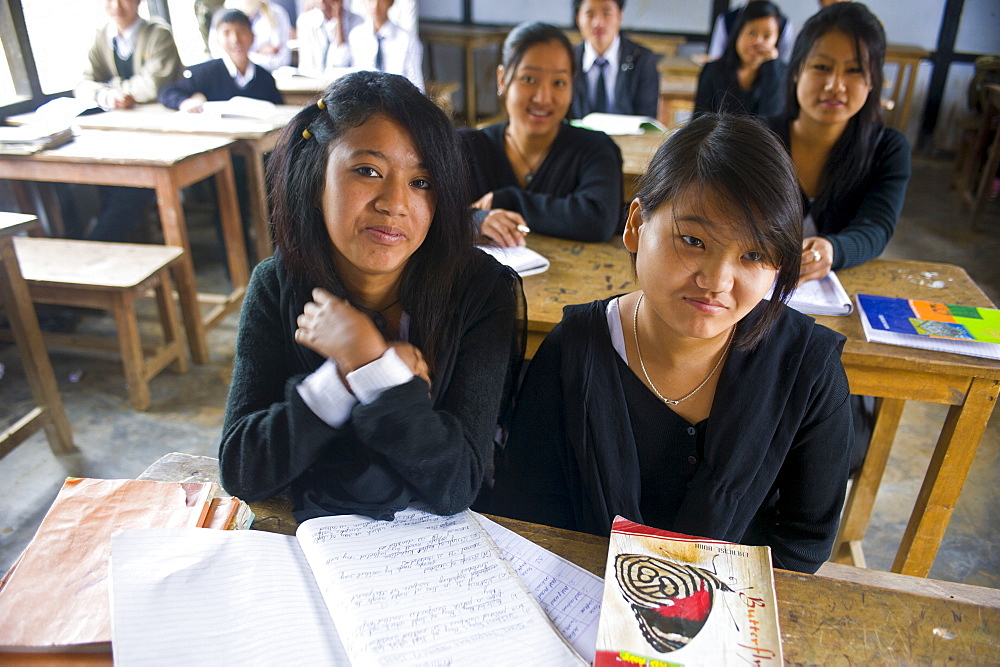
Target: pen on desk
column 523, row 228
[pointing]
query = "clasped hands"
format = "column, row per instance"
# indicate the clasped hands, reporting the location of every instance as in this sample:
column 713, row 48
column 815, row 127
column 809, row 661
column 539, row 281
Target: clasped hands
column 817, row 258
column 335, row 329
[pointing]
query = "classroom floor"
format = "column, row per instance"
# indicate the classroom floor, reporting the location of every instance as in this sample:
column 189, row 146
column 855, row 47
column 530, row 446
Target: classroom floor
column 187, row 410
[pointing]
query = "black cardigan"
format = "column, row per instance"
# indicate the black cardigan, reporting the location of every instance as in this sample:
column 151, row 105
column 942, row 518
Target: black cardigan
column 411, row 443
column 719, row 90
column 860, row 224
column 576, row 193
column 212, row 80
column 776, row 451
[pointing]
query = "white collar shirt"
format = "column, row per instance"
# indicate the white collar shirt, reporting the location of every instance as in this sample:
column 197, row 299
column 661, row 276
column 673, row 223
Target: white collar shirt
column 124, row 44
column 610, row 70
column 241, row 79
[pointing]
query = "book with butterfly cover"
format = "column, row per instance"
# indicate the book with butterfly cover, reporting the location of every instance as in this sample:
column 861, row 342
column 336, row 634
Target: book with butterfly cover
column 674, row 599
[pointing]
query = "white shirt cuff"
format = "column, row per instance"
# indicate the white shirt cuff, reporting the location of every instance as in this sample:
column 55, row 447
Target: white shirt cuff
column 369, row 381
column 325, row 394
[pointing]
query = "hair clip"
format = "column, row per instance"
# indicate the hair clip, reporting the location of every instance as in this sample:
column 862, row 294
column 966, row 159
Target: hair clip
column 320, row 103
column 306, row 134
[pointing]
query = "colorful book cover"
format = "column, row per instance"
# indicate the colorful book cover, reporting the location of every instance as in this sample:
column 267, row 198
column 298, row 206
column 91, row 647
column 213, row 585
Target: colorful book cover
column 928, row 325
column 671, row 599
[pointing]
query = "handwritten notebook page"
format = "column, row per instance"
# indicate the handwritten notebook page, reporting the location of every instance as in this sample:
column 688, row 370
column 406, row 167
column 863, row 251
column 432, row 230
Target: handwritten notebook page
column 190, row 597
column 427, row 589
column 569, row 595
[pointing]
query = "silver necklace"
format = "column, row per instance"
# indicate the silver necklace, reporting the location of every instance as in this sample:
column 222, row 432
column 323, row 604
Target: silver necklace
column 635, row 331
column 530, row 175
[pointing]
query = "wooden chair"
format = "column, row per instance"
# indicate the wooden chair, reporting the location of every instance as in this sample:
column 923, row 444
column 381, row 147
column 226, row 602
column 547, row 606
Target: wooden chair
column 110, row 276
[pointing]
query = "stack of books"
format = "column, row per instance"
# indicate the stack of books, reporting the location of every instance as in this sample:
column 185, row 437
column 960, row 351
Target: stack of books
column 28, row 139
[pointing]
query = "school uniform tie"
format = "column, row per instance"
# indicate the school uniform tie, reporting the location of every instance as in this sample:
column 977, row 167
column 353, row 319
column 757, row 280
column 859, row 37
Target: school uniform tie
column 601, row 91
column 379, row 56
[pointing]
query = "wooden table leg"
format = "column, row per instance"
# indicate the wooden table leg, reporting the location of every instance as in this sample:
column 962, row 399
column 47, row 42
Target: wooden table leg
column 232, row 226
column 858, row 510
column 953, row 455
column 174, row 226
column 260, row 214
column 49, row 412
column 989, row 172
column 130, row 344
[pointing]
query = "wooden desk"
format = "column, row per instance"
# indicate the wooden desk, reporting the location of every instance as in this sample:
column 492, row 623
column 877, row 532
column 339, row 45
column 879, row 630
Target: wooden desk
column 583, row 272
column 580, row 273
column 678, row 86
column 469, row 38
column 252, row 138
column 48, row 412
column 897, row 374
column 907, row 59
column 860, row 617
column 637, row 150
column 165, row 162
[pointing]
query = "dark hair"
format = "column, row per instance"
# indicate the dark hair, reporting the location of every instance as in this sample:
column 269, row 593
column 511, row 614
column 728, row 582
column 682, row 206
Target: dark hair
column 296, row 177
column 758, row 9
column 231, row 16
column 851, row 157
column 526, row 35
column 737, row 164
column 579, row 3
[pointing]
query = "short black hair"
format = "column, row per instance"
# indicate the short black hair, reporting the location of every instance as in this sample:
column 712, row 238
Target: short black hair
column 740, row 166
column 231, row 16
column 296, row 178
column 526, row 35
column 579, row 3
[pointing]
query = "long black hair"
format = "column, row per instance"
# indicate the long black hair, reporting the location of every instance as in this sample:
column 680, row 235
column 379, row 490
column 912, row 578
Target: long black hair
column 296, row 179
column 735, row 163
column 851, row 157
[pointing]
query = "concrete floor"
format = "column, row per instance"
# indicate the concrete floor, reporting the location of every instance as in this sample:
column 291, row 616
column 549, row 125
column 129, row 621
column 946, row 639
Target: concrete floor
column 186, row 412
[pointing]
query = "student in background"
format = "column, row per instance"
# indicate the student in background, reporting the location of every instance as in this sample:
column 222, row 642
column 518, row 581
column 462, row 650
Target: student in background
column 223, row 78
column 724, row 25
column 852, row 169
column 271, row 29
column 130, row 60
column 322, row 34
column 377, row 347
column 610, row 62
column 748, row 78
column 379, row 44
column 403, row 13
column 693, row 404
column 534, row 171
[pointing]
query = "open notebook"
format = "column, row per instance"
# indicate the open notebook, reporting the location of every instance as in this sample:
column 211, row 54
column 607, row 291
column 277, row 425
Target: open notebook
column 349, row 589
column 525, row 261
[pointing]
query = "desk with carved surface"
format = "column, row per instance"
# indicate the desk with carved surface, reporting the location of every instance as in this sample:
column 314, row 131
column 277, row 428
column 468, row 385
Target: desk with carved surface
column 167, row 163
column 583, row 272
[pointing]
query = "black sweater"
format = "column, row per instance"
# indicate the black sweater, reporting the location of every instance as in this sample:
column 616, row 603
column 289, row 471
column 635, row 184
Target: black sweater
column 212, row 80
column 576, row 193
column 860, row 224
column 719, row 90
column 776, row 450
column 411, row 443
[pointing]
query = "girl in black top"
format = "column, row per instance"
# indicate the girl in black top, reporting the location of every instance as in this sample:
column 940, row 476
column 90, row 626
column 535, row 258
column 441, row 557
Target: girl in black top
column 852, row 170
column 748, row 78
column 535, row 172
column 377, row 347
column 693, row 404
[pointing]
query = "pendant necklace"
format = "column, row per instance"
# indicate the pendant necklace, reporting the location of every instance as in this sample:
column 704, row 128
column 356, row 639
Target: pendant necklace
column 532, row 168
column 377, row 317
column 635, row 330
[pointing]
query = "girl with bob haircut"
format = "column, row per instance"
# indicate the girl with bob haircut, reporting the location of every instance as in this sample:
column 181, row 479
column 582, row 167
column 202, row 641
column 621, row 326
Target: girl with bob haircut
column 748, row 78
column 377, row 348
column 534, row 171
column 693, row 404
column 852, row 170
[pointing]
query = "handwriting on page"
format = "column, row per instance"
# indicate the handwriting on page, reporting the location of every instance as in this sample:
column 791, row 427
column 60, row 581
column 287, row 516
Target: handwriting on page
column 425, row 588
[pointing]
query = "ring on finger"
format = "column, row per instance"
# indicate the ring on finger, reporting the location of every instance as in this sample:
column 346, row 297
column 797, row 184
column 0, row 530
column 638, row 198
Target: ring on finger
column 816, row 255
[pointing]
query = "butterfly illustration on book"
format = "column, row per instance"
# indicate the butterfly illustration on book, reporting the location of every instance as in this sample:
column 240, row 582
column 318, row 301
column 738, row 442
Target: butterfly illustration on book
column 671, row 601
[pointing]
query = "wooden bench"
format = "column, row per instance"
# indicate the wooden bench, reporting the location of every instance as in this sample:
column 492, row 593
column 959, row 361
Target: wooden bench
column 111, row 276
